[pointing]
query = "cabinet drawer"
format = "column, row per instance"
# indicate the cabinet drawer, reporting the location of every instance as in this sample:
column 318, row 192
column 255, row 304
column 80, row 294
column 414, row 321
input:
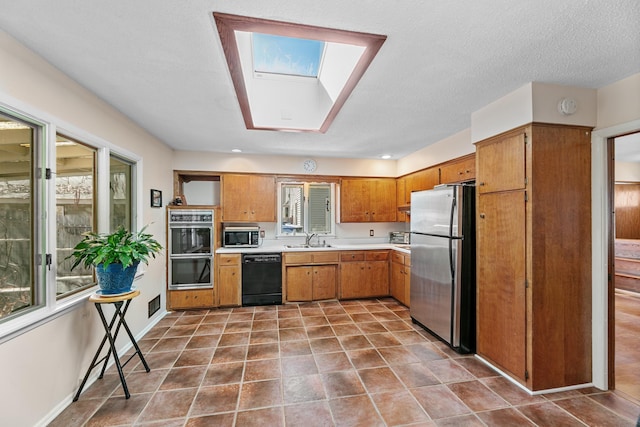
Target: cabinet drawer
column 325, row 257
column 351, row 256
column 377, row 255
column 298, row 258
column 229, row 259
column 397, row 257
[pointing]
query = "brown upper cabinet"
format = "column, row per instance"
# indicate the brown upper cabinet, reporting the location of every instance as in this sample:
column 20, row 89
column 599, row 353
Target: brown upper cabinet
column 502, row 166
column 248, row 198
column 462, row 169
column 368, row 200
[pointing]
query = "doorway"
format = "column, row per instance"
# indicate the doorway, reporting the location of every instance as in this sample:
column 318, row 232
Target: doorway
column 624, row 259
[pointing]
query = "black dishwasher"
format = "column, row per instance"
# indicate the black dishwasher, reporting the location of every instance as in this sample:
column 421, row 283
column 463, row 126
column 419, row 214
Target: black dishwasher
column 261, row 279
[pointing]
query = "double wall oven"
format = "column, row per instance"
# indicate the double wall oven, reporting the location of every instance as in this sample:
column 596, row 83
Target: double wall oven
column 191, row 249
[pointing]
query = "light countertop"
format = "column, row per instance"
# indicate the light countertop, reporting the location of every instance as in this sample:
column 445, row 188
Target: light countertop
column 278, row 247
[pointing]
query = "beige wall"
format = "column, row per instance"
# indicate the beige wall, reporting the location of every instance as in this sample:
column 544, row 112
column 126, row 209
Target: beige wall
column 224, row 162
column 619, row 103
column 627, row 171
column 41, row 368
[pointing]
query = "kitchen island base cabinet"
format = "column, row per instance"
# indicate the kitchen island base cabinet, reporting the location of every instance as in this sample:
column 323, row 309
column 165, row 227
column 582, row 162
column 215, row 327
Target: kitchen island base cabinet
column 229, row 280
column 364, row 274
column 190, row 299
column 534, row 254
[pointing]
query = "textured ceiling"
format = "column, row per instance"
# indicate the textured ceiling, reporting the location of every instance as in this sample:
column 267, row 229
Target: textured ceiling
column 160, row 62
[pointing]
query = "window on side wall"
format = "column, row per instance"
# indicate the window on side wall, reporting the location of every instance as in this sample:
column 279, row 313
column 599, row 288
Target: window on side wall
column 75, row 180
column 21, row 191
column 121, row 184
column 306, row 208
column 49, row 197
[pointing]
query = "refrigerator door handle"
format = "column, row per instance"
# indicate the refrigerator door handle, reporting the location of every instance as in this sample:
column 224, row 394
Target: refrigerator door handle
column 451, row 260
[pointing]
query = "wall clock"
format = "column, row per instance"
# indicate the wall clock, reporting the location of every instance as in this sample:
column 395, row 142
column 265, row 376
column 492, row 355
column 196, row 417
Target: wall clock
column 309, row 165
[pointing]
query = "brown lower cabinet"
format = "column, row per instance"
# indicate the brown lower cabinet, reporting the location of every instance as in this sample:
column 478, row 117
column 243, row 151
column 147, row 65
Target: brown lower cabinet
column 401, row 277
column 191, row 298
column 229, row 280
column 310, row 276
column 364, row 274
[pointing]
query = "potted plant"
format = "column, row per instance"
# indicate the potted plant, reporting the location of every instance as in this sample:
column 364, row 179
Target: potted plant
column 115, row 257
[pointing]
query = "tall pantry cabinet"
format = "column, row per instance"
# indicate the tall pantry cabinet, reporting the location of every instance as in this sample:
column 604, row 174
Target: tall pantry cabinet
column 534, row 254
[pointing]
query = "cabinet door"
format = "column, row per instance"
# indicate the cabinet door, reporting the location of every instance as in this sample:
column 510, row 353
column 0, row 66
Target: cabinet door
column 397, row 282
column 382, row 200
column 248, row 198
column 324, row 282
column 421, row 180
column 400, row 198
column 229, row 285
column 262, row 198
column 407, row 285
column 377, row 279
column 352, row 276
column 299, row 283
column 458, row 171
column 501, row 263
column 501, row 163
column 235, row 203
column 354, row 200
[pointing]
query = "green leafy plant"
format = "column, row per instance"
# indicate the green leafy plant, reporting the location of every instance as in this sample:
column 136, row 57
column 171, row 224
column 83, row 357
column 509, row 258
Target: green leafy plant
column 121, row 247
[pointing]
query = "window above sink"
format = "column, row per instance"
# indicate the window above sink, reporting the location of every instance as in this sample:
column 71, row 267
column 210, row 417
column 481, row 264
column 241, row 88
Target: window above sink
column 306, row 208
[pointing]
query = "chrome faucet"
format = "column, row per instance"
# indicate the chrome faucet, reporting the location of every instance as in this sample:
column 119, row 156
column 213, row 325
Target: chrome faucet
column 308, row 239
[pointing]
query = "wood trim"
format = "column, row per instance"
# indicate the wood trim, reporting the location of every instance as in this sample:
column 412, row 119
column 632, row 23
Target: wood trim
column 227, row 25
column 611, row 263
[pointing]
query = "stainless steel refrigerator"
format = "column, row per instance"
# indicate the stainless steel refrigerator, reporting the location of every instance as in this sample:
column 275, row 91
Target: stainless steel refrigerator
column 443, row 271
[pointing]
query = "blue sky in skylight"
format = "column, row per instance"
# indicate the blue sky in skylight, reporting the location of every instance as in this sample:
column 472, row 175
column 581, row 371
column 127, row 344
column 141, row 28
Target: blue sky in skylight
column 286, row 55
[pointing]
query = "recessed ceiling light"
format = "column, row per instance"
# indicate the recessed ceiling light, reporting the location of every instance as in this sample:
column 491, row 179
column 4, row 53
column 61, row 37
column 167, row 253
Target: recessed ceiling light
column 236, row 150
column 386, row 156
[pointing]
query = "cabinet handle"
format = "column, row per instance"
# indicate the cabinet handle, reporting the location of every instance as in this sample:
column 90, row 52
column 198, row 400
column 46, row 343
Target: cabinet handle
column 482, row 215
column 482, row 184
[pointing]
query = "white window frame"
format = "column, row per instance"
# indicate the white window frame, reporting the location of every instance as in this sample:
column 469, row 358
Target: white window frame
column 52, row 307
column 305, row 229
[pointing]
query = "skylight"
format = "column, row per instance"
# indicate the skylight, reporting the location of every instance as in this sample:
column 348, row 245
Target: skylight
column 286, row 55
column 292, row 77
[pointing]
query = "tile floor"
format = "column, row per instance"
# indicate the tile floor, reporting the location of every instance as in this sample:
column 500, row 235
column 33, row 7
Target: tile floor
column 350, row 363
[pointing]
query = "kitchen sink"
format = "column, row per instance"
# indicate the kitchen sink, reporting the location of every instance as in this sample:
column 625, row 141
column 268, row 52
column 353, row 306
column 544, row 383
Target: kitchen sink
column 303, row 246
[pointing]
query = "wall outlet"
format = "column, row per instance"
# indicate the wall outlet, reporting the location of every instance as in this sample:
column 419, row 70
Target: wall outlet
column 371, row 233
column 154, row 305
column 262, row 234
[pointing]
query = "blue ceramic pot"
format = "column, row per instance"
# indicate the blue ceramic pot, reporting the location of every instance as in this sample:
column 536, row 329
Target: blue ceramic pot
column 114, row 279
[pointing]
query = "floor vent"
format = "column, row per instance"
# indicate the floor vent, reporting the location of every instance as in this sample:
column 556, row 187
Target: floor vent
column 154, row 305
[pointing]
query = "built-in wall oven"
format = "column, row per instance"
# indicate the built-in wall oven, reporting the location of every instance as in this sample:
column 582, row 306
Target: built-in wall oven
column 191, row 248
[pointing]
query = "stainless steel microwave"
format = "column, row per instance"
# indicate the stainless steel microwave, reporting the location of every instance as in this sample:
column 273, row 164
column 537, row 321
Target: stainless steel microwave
column 241, row 237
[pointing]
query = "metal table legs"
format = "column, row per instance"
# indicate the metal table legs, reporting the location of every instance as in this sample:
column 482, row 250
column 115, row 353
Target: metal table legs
column 111, row 335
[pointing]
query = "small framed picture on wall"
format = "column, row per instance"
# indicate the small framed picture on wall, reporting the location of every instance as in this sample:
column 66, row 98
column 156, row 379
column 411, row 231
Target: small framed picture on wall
column 156, row 198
